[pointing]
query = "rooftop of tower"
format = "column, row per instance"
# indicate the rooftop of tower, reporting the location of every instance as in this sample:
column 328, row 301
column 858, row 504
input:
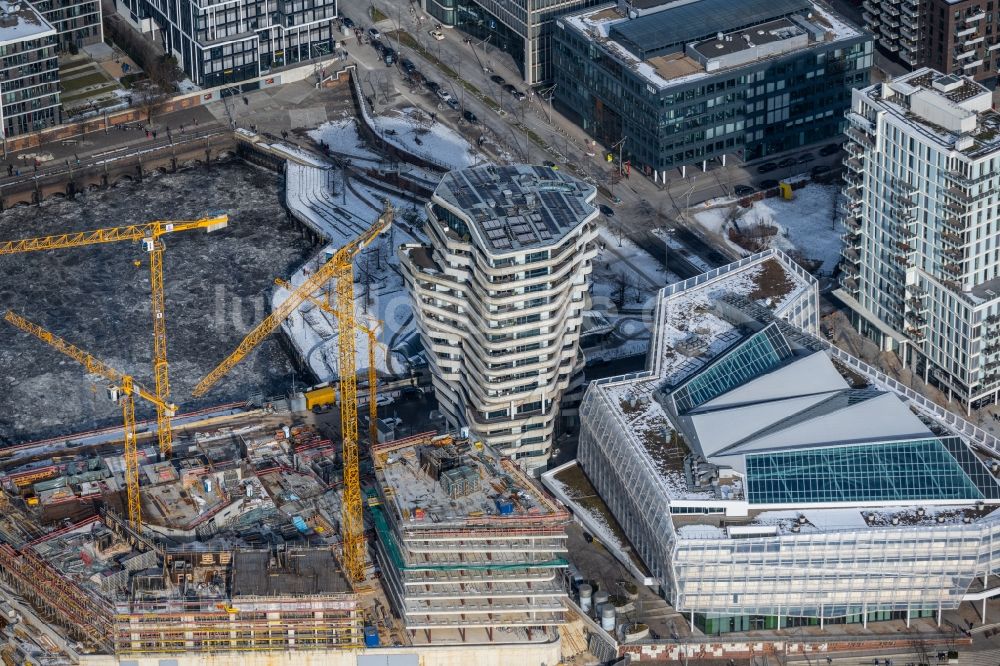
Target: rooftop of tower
column 511, row 208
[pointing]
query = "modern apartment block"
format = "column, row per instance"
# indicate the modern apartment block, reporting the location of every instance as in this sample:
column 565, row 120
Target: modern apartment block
column 499, row 295
column 471, row 550
column 521, row 28
column 951, row 36
column 896, row 26
column 921, row 264
column 77, row 21
column 29, row 70
column 682, row 83
column 217, row 44
column 770, row 480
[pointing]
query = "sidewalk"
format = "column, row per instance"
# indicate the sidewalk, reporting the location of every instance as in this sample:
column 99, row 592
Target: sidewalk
column 93, row 142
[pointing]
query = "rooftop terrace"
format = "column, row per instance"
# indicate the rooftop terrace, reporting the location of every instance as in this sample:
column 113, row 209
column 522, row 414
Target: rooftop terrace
column 518, row 207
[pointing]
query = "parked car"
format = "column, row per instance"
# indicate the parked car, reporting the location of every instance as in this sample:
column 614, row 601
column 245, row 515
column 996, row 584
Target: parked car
column 829, row 149
column 417, row 77
column 768, row 184
column 453, row 103
column 766, row 167
column 519, row 96
column 373, row 33
column 606, row 210
column 787, row 162
column 497, row 79
column 550, row 164
column 389, row 55
column 507, row 88
column 819, row 170
column 346, row 22
column 470, row 117
column 377, row 45
column 805, row 158
column 436, row 34
column 743, row 190
column 443, row 94
column 407, row 65
column 433, row 86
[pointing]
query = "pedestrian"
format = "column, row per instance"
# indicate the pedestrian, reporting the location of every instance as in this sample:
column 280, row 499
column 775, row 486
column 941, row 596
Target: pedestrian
column 147, row 134
column 10, row 169
column 154, row 134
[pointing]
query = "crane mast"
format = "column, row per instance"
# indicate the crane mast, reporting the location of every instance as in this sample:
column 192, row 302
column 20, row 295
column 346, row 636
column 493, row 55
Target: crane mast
column 150, row 234
column 123, row 383
column 311, row 285
column 371, row 332
column 340, row 267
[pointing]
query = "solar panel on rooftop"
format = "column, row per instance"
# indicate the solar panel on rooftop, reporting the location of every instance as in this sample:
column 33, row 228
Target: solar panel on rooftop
column 646, row 36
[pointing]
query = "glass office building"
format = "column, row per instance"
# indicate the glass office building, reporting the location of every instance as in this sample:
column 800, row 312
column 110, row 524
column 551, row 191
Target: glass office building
column 686, row 83
column 808, row 489
column 218, row 44
column 520, row 28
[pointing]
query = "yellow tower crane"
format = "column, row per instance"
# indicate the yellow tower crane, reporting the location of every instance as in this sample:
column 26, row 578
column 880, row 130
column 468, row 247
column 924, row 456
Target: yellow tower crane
column 370, row 330
column 339, row 267
column 122, row 390
column 150, row 234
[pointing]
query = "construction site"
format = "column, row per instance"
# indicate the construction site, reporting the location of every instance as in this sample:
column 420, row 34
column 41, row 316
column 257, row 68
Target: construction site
column 169, row 487
column 472, row 550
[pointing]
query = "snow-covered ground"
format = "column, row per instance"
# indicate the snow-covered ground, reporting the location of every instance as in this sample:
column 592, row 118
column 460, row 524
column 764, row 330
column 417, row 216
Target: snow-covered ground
column 624, row 269
column 806, row 224
column 414, row 131
column 379, row 289
column 343, row 138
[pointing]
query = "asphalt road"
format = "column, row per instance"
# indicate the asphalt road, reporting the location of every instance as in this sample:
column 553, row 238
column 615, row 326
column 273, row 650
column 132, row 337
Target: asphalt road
column 564, row 142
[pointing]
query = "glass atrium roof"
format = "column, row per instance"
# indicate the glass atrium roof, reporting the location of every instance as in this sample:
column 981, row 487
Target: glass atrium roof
column 912, row 470
column 761, row 352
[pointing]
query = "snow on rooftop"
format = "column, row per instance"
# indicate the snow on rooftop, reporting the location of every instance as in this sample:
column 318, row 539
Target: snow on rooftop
column 596, row 23
column 20, row 21
column 689, row 320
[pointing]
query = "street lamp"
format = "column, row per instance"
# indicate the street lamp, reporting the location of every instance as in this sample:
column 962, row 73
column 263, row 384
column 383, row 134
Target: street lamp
column 619, row 146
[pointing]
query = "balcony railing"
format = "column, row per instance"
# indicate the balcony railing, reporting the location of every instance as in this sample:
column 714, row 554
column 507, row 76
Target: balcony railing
column 861, row 136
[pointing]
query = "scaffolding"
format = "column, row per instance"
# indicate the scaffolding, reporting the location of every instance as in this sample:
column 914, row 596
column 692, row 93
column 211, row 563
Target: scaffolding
column 465, row 540
column 84, row 615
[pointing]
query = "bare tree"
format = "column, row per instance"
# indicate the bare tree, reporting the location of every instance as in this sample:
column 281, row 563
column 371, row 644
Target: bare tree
column 623, row 283
column 147, row 97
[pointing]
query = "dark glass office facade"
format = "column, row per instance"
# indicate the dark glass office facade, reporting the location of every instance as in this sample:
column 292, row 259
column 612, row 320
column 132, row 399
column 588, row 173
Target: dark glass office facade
column 521, row 28
column 221, row 45
column 750, row 111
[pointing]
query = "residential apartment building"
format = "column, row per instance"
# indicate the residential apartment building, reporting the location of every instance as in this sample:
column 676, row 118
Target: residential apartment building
column 499, row 294
column 29, row 70
column 921, row 263
column 769, row 480
column 951, row 36
column 520, row 28
column 683, row 83
column 78, row 22
column 217, row 44
column 896, row 26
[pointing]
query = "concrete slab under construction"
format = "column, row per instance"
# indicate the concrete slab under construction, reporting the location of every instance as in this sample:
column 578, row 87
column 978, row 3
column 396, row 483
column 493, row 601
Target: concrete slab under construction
column 471, row 549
